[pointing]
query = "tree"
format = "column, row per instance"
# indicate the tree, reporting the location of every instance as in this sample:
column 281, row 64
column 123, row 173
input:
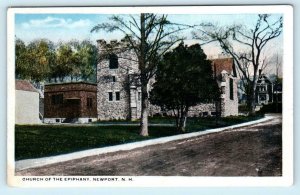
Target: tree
column 252, row 41
column 85, row 60
column 149, row 36
column 184, row 78
column 22, row 66
column 34, row 60
column 64, row 62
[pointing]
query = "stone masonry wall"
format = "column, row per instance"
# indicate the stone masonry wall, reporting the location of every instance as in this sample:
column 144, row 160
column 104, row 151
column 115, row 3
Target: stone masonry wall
column 129, row 105
column 230, row 107
column 117, row 109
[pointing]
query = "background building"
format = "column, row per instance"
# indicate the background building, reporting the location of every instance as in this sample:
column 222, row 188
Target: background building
column 119, row 94
column 27, row 103
column 70, row 103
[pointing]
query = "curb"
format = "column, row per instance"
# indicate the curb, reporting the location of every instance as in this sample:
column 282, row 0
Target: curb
column 38, row 162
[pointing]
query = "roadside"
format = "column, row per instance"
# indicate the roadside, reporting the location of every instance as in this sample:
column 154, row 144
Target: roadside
column 38, row 141
column 244, row 151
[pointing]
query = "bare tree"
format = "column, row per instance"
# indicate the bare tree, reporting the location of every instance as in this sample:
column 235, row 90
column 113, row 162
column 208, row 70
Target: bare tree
column 149, row 36
column 252, row 41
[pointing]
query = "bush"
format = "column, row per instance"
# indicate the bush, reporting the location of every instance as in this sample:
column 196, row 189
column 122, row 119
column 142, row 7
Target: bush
column 271, row 108
column 243, row 108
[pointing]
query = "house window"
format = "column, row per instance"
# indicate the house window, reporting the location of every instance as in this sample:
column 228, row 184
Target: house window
column 139, row 96
column 89, row 102
column 118, row 96
column 113, row 79
column 110, row 96
column 231, row 88
column 57, row 99
column 113, row 61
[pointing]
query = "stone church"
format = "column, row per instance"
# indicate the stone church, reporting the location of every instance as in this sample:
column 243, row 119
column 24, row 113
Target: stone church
column 119, row 95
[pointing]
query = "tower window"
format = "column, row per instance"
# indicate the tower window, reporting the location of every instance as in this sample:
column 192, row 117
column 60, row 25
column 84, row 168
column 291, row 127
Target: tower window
column 113, row 61
column 231, row 88
column 110, row 96
column 118, row 96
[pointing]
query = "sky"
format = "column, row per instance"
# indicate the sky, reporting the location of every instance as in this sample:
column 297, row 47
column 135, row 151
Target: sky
column 65, row 27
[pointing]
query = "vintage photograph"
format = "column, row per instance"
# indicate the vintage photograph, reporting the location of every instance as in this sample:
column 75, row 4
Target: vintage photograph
column 117, row 96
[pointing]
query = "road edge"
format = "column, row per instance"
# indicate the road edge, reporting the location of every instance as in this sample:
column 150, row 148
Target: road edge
column 39, row 162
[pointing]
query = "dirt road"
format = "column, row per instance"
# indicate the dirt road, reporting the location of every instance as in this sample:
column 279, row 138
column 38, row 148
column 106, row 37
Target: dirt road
column 252, row 151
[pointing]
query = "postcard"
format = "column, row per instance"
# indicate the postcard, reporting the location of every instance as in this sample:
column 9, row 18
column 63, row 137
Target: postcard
column 150, row 96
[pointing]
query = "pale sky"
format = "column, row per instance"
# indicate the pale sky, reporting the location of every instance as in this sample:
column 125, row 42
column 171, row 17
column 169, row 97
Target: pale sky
column 65, row 27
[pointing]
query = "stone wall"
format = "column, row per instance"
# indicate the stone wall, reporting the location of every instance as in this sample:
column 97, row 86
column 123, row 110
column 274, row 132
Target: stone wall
column 202, row 110
column 122, row 80
column 74, row 100
column 229, row 107
column 61, row 120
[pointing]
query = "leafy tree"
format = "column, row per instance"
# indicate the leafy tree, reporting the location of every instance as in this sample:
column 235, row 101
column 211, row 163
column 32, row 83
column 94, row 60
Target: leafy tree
column 22, row 66
column 64, row 63
column 252, row 40
column 34, row 60
column 184, row 78
column 85, row 60
column 149, row 36
column 41, row 60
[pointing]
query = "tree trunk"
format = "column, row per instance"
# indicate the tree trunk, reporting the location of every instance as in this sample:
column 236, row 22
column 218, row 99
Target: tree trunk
column 144, row 111
column 252, row 98
column 182, row 124
column 144, row 80
column 182, row 120
column 217, row 110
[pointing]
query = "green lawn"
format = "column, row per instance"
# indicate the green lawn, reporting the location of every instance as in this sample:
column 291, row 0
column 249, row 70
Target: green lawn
column 34, row 141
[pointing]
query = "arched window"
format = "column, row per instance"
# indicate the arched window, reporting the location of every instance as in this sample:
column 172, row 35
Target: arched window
column 113, row 61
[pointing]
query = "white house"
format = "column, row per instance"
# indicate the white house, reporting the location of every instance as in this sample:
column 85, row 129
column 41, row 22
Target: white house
column 27, row 103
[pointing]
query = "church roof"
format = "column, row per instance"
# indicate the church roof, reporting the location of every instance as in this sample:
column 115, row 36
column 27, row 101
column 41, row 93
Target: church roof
column 221, row 64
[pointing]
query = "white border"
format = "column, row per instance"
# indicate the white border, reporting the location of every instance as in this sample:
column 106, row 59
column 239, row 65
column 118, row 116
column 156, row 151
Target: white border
column 285, row 180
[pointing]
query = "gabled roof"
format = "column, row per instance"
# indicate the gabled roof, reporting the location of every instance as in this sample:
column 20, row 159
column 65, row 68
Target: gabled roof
column 222, row 64
column 25, row 86
column 265, row 78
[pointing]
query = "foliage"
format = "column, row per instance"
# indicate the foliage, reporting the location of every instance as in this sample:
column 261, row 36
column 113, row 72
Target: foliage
column 271, row 108
column 184, row 78
column 21, row 60
column 85, row 60
column 41, row 60
column 34, row 60
column 64, row 62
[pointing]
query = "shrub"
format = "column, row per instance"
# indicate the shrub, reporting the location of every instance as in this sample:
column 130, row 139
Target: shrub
column 271, row 108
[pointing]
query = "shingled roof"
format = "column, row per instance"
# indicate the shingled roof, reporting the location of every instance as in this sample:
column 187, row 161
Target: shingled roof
column 25, row 86
column 223, row 64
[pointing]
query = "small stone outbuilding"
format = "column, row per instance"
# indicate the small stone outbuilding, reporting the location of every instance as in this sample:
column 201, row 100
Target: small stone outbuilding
column 74, row 102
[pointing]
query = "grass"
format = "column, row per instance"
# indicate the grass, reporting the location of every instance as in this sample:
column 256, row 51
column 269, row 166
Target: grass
column 35, row 141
